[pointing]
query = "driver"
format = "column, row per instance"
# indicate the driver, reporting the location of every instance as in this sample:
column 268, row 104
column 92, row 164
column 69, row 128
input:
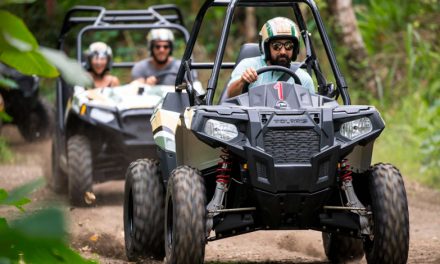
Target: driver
column 161, row 68
column 279, row 45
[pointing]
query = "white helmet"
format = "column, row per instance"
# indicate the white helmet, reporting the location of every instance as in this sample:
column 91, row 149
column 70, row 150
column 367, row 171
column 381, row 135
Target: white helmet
column 99, row 49
column 160, row 34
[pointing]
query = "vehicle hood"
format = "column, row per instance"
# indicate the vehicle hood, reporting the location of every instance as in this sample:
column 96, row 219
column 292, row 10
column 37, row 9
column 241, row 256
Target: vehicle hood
column 130, row 96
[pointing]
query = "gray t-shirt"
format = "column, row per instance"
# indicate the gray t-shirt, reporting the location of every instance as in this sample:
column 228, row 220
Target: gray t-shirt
column 165, row 76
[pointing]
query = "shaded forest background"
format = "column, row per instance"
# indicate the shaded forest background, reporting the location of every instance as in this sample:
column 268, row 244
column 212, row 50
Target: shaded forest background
column 393, row 64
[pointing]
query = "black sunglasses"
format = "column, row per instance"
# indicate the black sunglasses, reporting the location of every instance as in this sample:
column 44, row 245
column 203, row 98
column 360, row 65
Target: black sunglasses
column 279, row 45
column 161, row 46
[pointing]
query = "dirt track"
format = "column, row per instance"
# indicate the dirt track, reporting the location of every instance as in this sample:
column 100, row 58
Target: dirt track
column 98, row 231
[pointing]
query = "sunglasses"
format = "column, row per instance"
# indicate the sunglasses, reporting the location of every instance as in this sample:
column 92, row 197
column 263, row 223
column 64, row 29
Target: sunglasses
column 279, row 45
column 161, row 46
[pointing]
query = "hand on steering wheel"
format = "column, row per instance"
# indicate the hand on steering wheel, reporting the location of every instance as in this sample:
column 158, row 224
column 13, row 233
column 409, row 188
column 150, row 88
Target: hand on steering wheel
column 273, row 68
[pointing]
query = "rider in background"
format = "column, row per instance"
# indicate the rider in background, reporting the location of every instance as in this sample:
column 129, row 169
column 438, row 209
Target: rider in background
column 161, row 68
column 98, row 64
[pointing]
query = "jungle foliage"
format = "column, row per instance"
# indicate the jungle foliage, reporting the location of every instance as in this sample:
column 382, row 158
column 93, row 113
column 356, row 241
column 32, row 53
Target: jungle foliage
column 39, row 237
column 403, row 47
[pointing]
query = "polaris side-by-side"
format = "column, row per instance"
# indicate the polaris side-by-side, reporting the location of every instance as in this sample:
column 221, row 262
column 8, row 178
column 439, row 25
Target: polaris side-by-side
column 100, row 131
column 31, row 113
column 277, row 157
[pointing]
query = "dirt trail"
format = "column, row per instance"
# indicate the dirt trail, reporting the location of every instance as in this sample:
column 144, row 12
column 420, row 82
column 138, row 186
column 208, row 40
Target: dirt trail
column 98, row 231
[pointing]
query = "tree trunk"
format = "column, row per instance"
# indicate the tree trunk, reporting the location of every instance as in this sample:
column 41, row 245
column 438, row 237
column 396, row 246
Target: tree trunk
column 250, row 25
column 50, row 8
column 356, row 57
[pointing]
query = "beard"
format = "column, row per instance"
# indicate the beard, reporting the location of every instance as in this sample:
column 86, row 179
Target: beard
column 281, row 60
column 161, row 62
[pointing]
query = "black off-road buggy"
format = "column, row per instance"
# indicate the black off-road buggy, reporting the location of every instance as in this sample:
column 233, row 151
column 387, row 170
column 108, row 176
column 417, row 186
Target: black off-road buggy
column 100, row 131
column 258, row 161
column 31, row 113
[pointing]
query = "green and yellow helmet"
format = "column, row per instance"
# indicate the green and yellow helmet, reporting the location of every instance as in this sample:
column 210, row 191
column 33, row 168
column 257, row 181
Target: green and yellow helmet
column 279, row 28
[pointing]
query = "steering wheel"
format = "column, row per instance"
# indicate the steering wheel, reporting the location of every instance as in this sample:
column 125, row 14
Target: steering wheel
column 275, row 68
column 163, row 74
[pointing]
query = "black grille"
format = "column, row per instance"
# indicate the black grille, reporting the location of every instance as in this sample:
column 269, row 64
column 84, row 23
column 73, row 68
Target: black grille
column 261, row 170
column 291, row 146
column 137, row 124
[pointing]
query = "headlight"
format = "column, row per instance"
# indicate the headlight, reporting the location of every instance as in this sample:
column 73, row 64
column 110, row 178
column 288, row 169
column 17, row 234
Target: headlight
column 356, row 128
column 102, row 115
column 220, row 130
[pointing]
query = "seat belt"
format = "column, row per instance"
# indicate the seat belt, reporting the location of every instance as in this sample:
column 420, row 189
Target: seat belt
column 285, row 76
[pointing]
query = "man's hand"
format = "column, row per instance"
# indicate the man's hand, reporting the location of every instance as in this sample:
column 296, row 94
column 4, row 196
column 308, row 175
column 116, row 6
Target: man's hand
column 152, row 80
column 249, row 76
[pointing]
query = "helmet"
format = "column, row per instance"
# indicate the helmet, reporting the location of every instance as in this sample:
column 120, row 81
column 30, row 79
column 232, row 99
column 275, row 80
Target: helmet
column 279, row 28
column 160, row 34
column 99, row 49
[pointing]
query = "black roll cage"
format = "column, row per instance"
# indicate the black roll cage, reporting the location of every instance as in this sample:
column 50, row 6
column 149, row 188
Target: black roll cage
column 218, row 62
column 156, row 16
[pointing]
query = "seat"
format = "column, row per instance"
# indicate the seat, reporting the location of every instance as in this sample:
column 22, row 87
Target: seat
column 247, row 50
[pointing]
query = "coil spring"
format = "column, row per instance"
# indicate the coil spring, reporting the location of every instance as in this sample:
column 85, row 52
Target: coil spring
column 344, row 171
column 224, row 168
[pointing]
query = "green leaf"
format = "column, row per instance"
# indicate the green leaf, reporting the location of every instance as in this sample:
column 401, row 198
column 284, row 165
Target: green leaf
column 5, row 117
column 39, row 238
column 7, row 83
column 17, row 197
column 15, row 34
column 3, row 195
column 3, row 224
column 47, row 223
column 28, row 63
column 8, row 2
column 71, row 71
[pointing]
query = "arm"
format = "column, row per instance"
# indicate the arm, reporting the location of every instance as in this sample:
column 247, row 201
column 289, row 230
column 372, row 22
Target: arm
column 235, row 87
column 139, row 74
column 115, row 81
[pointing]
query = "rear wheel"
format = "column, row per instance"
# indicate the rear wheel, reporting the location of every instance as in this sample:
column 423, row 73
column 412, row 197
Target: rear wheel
column 389, row 242
column 340, row 249
column 185, row 218
column 144, row 211
column 38, row 124
column 79, row 155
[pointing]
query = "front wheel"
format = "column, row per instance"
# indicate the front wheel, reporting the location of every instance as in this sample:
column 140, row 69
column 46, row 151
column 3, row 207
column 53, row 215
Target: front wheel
column 340, row 249
column 80, row 170
column 389, row 242
column 144, row 211
column 185, row 217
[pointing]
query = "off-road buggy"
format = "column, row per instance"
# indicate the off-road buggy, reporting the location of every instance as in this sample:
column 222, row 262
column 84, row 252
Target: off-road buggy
column 274, row 158
column 99, row 131
column 31, row 113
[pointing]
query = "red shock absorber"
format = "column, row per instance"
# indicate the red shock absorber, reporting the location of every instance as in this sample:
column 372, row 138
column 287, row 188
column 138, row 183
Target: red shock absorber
column 224, row 168
column 344, row 171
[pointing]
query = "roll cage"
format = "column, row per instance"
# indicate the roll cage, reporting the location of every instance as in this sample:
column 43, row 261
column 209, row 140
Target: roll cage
column 100, row 19
column 311, row 61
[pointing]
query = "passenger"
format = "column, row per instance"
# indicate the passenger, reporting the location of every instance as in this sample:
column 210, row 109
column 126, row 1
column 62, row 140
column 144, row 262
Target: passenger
column 99, row 63
column 279, row 45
